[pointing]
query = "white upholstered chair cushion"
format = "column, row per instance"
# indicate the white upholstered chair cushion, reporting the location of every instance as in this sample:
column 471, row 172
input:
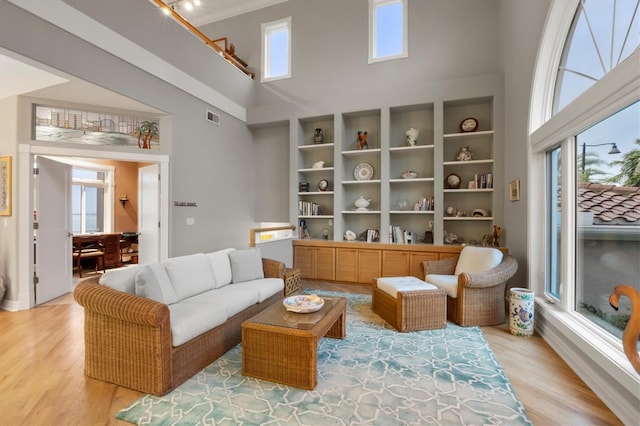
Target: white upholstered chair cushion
column 190, row 275
column 478, row 259
column 221, row 266
column 448, row 283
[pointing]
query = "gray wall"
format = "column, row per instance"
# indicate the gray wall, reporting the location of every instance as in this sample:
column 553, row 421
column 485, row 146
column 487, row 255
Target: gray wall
column 452, row 45
column 521, row 26
column 210, row 165
column 238, row 176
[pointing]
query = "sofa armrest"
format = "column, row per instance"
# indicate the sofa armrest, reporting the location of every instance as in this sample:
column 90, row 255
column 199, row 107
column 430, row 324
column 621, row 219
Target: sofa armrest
column 272, row 268
column 127, row 338
column 122, row 306
column 496, row 276
column 440, row 267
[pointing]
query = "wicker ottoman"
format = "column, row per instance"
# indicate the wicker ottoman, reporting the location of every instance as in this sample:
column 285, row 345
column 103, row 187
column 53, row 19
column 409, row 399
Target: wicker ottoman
column 409, row 304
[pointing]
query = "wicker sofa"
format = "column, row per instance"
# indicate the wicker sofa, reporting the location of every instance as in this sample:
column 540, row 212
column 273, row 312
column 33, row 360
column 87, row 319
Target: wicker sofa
column 134, row 340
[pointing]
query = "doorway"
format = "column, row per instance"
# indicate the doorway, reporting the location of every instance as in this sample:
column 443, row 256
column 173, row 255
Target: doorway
column 30, row 272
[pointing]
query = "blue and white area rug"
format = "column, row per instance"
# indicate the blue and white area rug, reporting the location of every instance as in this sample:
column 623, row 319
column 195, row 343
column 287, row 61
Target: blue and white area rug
column 375, row 376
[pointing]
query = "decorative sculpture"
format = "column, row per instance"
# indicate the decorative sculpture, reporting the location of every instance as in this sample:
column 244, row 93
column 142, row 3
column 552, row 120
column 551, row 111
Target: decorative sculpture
column 362, row 139
column 632, row 330
column 411, row 136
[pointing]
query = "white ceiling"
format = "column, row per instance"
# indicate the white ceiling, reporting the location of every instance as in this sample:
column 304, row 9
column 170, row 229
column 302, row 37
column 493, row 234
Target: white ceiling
column 217, row 10
column 21, row 76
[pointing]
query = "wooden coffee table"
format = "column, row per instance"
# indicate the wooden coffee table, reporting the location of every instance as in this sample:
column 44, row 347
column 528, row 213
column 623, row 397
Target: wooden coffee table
column 282, row 346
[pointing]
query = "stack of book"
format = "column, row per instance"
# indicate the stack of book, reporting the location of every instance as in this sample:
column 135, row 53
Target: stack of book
column 484, row 180
column 307, row 208
column 373, row 236
column 401, row 236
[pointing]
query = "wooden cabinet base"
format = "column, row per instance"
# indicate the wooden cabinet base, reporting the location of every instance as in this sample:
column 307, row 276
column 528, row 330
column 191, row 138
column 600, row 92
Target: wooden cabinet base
column 360, row 262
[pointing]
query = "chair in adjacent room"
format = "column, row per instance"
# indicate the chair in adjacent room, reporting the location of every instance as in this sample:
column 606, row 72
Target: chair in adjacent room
column 475, row 284
column 88, row 248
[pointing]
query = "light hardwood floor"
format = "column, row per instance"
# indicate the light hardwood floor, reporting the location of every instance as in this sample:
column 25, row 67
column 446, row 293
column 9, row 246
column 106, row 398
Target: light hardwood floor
column 42, row 380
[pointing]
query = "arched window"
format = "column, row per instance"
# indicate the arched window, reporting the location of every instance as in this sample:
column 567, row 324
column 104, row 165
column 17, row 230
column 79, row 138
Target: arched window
column 603, row 34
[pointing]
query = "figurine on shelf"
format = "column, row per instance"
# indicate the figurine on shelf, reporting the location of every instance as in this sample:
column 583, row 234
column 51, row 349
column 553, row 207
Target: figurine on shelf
column 496, row 236
column 362, row 139
column 318, row 136
column 411, row 136
column 464, row 154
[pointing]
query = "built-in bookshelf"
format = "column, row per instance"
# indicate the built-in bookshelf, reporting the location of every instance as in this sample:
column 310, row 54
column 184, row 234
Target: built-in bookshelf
column 400, row 203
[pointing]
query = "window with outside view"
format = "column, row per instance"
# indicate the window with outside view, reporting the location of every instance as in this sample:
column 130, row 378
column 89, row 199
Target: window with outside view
column 387, row 30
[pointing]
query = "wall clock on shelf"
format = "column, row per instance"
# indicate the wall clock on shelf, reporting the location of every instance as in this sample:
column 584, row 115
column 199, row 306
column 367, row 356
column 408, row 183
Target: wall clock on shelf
column 453, row 180
column 469, row 124
column 323, row 185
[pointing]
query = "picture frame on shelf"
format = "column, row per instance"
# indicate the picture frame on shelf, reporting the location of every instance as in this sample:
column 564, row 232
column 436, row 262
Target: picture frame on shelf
column 5, row 186
column 514, row 190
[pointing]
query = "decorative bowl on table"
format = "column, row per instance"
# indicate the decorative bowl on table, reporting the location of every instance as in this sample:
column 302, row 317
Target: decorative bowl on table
column 303, row 304
column 409, row 174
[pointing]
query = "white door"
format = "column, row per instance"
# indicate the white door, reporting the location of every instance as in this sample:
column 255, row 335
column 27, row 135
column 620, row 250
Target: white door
column 149, row 214
column 53, row 262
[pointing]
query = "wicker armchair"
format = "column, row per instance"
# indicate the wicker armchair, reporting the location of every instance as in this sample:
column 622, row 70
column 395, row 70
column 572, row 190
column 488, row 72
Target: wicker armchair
column 480, row 296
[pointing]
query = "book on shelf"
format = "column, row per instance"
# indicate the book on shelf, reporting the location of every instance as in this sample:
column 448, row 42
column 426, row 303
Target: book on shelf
column 402, row 236
column 308, row 208
column 484, row 180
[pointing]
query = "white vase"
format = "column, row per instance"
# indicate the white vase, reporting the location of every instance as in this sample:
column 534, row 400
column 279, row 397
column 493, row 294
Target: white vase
column 522, row 302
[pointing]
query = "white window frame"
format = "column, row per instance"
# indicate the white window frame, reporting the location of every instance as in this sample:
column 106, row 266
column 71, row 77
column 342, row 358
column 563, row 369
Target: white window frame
column 267, row 28
column 574, row 337
column 108, row 186
column 373, row 5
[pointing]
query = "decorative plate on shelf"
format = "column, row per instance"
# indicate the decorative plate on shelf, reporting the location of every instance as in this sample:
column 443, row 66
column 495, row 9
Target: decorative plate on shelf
column 303, row 304
column 363, row 171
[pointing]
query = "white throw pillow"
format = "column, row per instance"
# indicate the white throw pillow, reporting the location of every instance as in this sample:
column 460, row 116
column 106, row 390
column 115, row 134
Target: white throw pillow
column 246, row 265
column 153, row 283
column 121, row 279
column 221, row 266
column 190, row 275
column 478, row 259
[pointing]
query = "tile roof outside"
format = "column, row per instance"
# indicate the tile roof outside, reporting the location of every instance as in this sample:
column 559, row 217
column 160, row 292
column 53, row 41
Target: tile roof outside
column 610, row 204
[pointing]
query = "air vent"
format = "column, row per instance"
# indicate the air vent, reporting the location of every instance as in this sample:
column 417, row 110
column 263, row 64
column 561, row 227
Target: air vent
column 213, row 117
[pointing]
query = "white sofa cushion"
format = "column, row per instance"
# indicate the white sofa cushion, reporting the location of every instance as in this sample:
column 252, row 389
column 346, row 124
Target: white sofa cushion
column 153, row 283
column 189, row 320
column 190, row 275
column 221, row 266
column 478, row 259
column 392, row 285
column 121, row 279
column 266, row 287
column 246, row 265
column 448, row 283
column 234, row 298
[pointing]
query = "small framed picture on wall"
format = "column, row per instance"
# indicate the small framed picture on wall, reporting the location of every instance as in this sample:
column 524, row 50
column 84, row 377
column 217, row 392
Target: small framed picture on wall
column 514, row 190
column 5, row 186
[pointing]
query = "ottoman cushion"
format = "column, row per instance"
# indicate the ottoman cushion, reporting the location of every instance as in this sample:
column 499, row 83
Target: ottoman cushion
column 392, row 285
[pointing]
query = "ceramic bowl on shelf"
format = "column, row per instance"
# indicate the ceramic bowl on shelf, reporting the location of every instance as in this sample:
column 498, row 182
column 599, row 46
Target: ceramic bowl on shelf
column 409, row 174
column 303, row 304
